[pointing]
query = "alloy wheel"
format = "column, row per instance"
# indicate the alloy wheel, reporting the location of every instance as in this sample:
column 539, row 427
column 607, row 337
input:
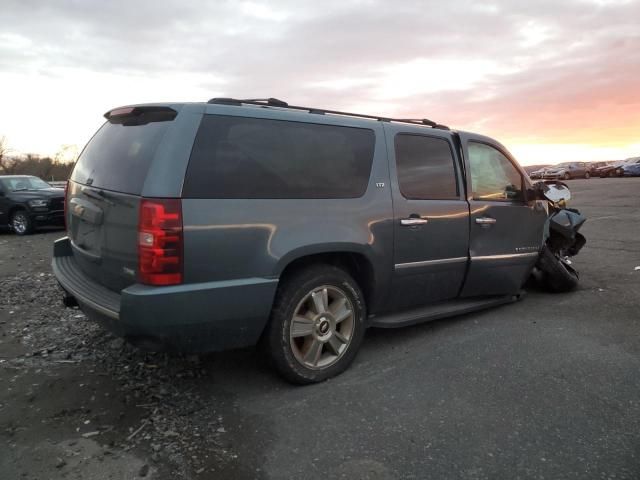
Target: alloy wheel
column 322, row 327
column 19, row 223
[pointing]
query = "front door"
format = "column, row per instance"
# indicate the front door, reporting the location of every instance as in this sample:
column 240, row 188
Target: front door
column 431, row 216
column 506, row 229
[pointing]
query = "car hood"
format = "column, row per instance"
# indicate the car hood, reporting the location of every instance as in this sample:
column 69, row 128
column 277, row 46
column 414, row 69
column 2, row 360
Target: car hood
column 24, row 195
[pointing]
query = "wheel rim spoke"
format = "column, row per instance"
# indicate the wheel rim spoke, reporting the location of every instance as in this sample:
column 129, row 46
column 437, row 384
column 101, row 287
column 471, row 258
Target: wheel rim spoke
column 342, row 314
column 335, row 343
column 321, row 301
column 301, row 327
column 313, row 354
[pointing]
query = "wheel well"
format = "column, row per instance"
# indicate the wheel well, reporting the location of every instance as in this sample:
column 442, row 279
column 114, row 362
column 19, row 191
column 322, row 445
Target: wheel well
column 356, row 264
column 14, row 209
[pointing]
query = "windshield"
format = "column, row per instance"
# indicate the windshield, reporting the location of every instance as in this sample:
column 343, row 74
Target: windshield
column 565, row 164
column 16, row 184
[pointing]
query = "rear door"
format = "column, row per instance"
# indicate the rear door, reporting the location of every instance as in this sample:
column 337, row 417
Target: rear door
column 505, row 227
column 431, row 216
column 104, row 193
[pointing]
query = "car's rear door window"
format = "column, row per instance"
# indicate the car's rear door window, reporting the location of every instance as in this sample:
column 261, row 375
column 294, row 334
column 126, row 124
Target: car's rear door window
column 426, row 169
column 240, row 157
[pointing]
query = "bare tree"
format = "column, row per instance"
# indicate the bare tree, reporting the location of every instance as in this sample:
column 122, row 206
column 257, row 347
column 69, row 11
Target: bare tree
column 67, row 153
column 7, row 164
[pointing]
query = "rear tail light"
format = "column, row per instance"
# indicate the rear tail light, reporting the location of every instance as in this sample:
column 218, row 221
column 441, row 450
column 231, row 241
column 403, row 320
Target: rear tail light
column 160, row 241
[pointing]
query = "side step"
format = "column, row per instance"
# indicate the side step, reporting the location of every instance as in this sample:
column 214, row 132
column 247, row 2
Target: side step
column 439, row 310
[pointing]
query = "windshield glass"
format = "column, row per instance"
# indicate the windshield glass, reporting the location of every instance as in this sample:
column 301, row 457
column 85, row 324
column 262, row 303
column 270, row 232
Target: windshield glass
column 565, row 164
column 15, row 184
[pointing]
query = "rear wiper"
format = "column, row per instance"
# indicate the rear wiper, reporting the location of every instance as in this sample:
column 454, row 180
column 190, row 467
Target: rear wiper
column 96, row 195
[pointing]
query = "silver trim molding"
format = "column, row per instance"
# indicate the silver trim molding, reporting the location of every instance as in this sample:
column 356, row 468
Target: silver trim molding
column 427, row 263
column 505, row 256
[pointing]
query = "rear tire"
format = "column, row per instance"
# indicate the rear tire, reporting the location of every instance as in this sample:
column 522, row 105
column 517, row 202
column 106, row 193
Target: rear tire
column 587, row 175
column 317, row 324
column 21, row 224
column 558, row 277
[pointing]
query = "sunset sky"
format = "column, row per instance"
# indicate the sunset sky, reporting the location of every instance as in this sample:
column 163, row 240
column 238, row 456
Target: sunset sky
column 553, row 80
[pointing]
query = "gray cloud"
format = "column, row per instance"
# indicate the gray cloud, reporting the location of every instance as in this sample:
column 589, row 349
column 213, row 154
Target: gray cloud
column 561, row 54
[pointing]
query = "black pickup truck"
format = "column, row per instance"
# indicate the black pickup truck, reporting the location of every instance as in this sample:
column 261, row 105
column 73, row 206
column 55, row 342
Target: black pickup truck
column 27, row 202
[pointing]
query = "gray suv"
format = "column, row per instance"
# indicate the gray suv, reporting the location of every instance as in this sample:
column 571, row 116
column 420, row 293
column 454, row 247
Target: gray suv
column 209, row 226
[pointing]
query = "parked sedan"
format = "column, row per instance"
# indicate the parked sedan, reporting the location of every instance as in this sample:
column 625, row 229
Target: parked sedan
column 594, row 166
column 631, row 168
column 536, row 172
column 566, row 171
column 614, row 169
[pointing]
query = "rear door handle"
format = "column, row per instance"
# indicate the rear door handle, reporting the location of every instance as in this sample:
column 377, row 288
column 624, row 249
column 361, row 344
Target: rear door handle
column 485, row 220
column 411, row 221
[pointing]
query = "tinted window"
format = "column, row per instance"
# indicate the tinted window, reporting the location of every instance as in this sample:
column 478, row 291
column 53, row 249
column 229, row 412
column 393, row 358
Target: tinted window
column 118, row 156
column 238, row 157
column 493, row 176
column 425, row 167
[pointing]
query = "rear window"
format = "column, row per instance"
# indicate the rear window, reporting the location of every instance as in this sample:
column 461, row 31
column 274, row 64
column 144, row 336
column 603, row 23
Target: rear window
column 118, row 156
column 238, row 157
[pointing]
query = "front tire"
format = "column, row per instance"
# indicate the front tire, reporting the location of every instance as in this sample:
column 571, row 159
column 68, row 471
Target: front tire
column 317, row 324
column 558, row 276
column 21, row 224
column 587, row 175
column 566, row 176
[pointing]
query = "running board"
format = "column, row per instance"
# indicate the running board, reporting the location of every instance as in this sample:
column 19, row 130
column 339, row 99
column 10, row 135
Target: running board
column 439, row 310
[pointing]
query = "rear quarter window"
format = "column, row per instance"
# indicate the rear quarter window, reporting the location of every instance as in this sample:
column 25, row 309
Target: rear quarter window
column 239, row 157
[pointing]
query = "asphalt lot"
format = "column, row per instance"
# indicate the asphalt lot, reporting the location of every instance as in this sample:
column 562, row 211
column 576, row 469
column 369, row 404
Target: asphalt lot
column 546, row 388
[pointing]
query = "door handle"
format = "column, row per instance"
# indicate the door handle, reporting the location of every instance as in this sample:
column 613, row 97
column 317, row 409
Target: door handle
column 485, row 220
column 411, row 221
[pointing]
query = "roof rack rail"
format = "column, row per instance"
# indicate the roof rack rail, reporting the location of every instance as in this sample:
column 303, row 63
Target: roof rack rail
column 274, row 102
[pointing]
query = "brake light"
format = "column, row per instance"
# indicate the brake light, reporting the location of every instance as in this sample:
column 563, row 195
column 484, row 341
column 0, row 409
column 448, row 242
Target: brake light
column 160, row 241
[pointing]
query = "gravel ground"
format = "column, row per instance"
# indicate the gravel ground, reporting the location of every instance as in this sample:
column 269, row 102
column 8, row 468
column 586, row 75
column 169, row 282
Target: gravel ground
column 76, row 395
column 545, row 388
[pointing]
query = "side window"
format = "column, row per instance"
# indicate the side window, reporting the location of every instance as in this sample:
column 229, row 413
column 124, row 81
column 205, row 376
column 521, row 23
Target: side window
column 425, row 168
column 493, row 176
column 241, row 157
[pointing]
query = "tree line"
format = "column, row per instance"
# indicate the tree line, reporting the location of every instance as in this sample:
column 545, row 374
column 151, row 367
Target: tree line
column 57, row 168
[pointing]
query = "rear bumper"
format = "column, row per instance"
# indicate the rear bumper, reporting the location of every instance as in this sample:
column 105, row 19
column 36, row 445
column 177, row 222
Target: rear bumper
column 200, row 317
